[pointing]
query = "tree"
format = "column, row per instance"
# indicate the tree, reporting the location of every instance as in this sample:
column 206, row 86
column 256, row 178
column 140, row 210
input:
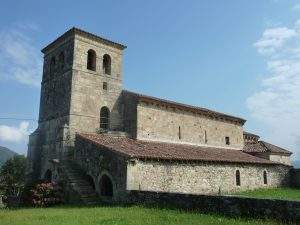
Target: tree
column 12, row 178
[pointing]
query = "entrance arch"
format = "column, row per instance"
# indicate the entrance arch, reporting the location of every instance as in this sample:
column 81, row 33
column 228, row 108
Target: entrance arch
column 90, row 180
column 106, row 186
column 48, row 176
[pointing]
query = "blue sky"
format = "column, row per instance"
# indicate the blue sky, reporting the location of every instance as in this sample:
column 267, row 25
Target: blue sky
column 239, row 57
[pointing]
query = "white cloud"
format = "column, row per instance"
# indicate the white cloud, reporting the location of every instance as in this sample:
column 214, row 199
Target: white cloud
column 273, row 39
column 15, row 134
column 20, row 60
column 277, row 103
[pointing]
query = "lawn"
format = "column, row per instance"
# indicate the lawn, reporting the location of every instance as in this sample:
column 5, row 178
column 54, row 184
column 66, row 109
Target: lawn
column 115, row 216
column 273, row 193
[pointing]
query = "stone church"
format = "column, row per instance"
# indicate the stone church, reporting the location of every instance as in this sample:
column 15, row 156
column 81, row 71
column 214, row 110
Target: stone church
column 103, row 141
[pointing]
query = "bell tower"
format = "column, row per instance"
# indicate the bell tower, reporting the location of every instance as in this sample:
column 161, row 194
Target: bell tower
column 80, row 92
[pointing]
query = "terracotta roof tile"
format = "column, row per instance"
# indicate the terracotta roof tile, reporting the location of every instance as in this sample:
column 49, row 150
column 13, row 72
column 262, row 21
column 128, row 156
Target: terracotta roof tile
column 262, row 146
column 168, row 151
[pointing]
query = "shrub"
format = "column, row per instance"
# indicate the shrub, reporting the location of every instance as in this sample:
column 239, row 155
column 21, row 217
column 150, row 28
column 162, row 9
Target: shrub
column 46, row 194
column 12, row 180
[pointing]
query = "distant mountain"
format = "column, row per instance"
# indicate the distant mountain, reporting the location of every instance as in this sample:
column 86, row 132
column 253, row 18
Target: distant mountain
column 296, row 164
column 5, row 154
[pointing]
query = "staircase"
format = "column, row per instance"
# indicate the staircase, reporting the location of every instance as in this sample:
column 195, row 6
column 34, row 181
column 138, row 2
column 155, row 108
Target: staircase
column 78, row 182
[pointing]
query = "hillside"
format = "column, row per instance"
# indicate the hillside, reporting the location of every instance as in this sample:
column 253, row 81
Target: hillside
column 5, row 154
column 296, row 163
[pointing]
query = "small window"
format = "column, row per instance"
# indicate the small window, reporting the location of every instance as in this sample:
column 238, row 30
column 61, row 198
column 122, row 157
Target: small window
column 205, row 137
column 227, row 140
column 104, row 118
column 265, row 177
column 179, row 132
column 61, row 60
column 52, row 66
column 106, row 64
column 105, row 86
column 91, row 60
column 238, row 178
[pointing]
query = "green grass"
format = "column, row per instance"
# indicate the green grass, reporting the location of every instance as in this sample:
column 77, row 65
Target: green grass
column 273, row 193
column 101, row 215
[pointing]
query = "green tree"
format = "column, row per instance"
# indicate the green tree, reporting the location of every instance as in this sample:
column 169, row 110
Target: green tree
column 12, row 178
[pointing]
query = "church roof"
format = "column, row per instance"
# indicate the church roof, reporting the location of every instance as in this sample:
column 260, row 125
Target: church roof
column 264, row 147
column 185, row 107
column 140, row 149
column 75, row 30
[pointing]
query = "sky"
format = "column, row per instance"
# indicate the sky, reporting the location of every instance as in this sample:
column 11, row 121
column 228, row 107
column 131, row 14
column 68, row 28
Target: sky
column 235, row 56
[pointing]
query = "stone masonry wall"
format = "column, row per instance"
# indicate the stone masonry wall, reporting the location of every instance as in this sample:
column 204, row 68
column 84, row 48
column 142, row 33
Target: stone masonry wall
column 202, row 178
column 162, row 124
column 286, row 211
column 88, row 95
column 281, row 159
column 96, row 161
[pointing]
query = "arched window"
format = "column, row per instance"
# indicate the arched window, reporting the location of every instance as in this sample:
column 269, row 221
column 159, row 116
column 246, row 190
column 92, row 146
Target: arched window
column 179, row 132
column 106, row 186
column 238, row 178
column 104, row 118
column 106, row 65
column 52, row 67
column 91, row 60
column 48, row 176
column 265, row 177
column 91, row 181
column 61, row 60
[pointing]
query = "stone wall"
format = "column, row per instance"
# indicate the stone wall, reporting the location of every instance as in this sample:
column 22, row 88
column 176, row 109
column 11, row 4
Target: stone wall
column 202, row 178
column 88, row 95
column 295, row 178
column 96, row 161
column 162, row 124
column 275, row 157
column 231, row 206
column 285, row 159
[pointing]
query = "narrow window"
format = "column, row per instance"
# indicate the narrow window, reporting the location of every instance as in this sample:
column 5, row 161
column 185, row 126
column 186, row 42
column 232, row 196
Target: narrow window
column 238, row 178
column 106, row 65
column 91, row 60
column 61, row 60
column 227, row 140
column 205, row 137
column 179, row 132
column 105, row 86
column 52, row 67
column 265, row 177
column 104, row 118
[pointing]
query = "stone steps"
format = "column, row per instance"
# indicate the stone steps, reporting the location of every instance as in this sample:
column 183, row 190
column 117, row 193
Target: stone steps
column 79, row 183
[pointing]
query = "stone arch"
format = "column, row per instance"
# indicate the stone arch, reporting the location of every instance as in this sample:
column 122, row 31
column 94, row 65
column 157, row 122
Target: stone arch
column 104, row 118
column 48, row 175
column 106, row 64
column 106, row 187
column 91, row 60
column 90, row 180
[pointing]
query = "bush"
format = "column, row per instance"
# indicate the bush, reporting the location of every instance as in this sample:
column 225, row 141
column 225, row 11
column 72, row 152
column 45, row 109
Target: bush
column 12, row 180
column 46, row 194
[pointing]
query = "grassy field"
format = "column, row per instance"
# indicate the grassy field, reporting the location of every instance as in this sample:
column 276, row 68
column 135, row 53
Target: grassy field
column 115, row 216
column 273, row 193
